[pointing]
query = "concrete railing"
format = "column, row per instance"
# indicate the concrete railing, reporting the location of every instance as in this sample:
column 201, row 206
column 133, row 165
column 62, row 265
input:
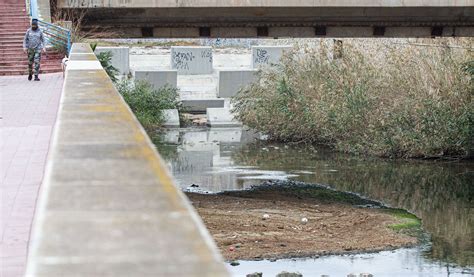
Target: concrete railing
column 108, row 205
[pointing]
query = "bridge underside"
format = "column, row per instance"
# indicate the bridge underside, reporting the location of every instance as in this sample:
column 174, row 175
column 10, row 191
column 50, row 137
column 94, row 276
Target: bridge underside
column 285, row 21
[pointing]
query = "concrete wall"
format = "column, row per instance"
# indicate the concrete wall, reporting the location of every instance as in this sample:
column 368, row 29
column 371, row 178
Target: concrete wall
column 267, row 55
column 175, row 32
column 120, row 57
column 231, row 81
column 44, row 10
column 108, row 205
column 301, row 32
column 192, row 59
column 158, row 78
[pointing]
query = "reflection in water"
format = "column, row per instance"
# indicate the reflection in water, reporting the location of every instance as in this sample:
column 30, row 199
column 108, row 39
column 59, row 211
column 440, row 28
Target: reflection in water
column 398, row 263
column 441, row 193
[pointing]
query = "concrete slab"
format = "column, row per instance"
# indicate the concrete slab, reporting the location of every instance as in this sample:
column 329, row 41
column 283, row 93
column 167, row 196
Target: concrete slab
column 231, row 81
column 158, row 78
column 82, row 57
column 221, row 117
column 201, row 105
column 171, row 118
column 171, row 136
column 267, row 55
column 83, row 65
column 197, row 141
column 120, row 57
column 192, row 59
column 77, row 48
column 225, row 135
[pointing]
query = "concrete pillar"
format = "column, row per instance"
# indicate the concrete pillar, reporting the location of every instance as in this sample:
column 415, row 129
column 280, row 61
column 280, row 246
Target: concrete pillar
column 231, row 81
column 120, row 57
column 171, row 118
column 267, row 55
column 201, row 105
column 192, row 59
column 158, row 78
column 221, row 117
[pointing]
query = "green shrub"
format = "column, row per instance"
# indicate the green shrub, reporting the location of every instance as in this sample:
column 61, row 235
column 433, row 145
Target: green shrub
column 379, row 98
column 148, row 103
column 105, row 59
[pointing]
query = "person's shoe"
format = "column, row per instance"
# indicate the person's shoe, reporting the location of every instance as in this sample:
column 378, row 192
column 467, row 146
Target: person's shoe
column 36, row 78
column 30, row 77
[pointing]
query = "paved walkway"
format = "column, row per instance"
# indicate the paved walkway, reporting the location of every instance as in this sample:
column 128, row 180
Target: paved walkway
column 28, row 112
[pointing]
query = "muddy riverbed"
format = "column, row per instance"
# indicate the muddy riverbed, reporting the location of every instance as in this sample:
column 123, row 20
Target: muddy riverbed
column 289, row 219
column 440, row 193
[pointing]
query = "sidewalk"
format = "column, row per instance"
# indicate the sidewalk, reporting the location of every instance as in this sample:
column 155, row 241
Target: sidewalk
column 28, row 112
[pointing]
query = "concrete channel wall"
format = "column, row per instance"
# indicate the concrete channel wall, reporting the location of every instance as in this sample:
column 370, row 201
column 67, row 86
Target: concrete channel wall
column 108, row 205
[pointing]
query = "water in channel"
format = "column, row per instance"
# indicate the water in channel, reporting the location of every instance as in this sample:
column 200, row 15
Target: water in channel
column 439, row 192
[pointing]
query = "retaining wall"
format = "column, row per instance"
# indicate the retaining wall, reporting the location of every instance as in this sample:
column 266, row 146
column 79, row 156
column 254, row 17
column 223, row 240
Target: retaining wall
column 108, row 205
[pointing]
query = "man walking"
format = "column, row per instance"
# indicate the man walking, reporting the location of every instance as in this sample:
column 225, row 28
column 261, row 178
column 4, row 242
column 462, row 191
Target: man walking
column 33, row 45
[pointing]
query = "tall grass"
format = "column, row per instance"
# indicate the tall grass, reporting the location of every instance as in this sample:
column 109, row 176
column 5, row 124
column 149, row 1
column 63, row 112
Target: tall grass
column 148, row 103
column 382, row 99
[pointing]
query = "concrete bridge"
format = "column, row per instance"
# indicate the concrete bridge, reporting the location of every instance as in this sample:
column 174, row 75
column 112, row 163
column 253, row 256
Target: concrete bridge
column 280, row 18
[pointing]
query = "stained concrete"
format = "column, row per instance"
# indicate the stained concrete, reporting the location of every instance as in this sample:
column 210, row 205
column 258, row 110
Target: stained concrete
column 108, row 205
column 221, row 117
column 83, row 65
column 171, row 118
column 120, row 57
column 158, row 78
column 44, row 10
column 201, row 105
column 192, row 60
column 267, row 55
column 231, row 81
column 277, row 18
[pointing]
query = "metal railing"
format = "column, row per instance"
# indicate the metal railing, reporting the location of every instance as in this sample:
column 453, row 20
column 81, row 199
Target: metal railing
column 55, row 36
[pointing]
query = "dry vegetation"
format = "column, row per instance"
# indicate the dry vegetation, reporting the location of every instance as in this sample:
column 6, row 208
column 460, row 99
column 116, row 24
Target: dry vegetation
column 381, row 98
column 78, row 32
